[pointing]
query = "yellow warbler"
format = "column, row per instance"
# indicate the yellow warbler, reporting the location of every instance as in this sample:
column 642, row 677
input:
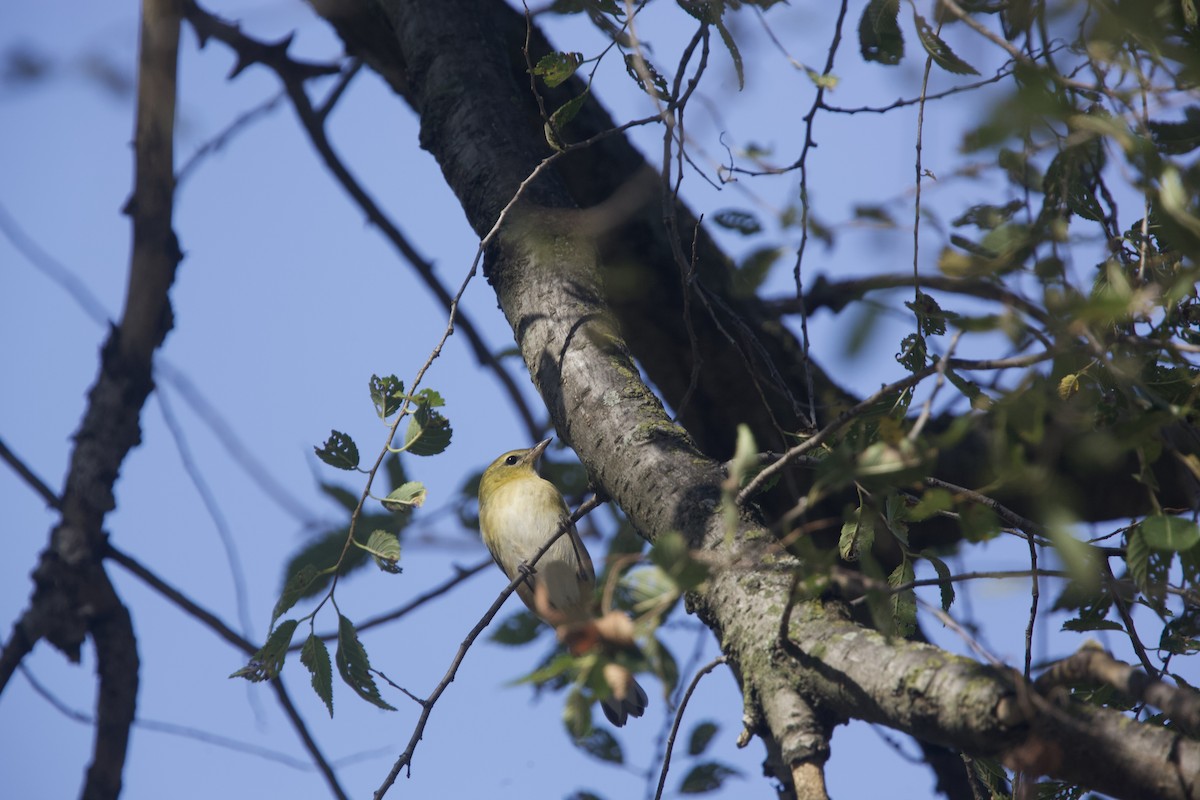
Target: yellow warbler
column 518, row 513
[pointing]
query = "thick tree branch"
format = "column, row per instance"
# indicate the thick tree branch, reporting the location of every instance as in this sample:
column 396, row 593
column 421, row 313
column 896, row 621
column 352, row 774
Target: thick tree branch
column 73, row 597
column 553, row 291
column 738, row 338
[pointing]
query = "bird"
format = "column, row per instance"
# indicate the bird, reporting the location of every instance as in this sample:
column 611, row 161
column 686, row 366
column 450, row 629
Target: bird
column 519, row 511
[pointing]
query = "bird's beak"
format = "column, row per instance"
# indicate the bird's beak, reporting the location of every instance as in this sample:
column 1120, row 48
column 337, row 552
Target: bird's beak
column 538, row 449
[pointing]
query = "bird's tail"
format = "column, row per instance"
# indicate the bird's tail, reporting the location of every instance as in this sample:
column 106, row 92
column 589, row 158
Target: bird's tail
column 633, row 704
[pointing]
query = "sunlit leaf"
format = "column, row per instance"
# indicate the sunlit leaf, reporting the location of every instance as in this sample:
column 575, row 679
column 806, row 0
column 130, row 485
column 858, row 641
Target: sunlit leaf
column 556, row 68
column 1169, row 533
column 384, row 547
column 406, row 497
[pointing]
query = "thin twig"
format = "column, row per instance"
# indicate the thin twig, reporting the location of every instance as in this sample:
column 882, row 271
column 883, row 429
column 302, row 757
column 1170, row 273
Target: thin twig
column 1026, row 526
column 461, row 574
column 1034, row 596
column 927, row 408
column 226, row 135
column 215, row 624
column 213, row 507
column 170, row 728
column 29, row 476
column 802, row 163
column 707, row 668
column 193, row 609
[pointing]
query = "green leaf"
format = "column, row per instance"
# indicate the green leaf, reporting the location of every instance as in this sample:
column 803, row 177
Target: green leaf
column 577, row 715
column 387, row 394
column 555, row 68
column 658, row 84
column 672, row 554
column 939, row 51
column 354, row 667
column 558, row 666
column 1071, row 180
column 858, row 534
column 384, row 547
column 879, row 36
column 914, row 354
column 706, row 11
column 707, row 777
column 744, row 222
column 943, row 573
column 340, row 495
column 1080, row 559
column 339, row 451
column 1191, row 17
column 599, row 743
column 734, row 53
column 1169, row 533
column 662, row 663
column 904, row 603
column 931, row 320
column 297, row 586
column 701, row 736
column 978, row 523
column 428, row 431
column 406, row 497
column 1084, row 624
column 988, row 217
column 1177, row 138
column 322, row 552
column 1137, row 557
column 266, row 663
column 932, row 502
column 315, row 656
column 650, row 588
column 754, row 269
column 521, row 628
column 895, row 516
column 561, row 117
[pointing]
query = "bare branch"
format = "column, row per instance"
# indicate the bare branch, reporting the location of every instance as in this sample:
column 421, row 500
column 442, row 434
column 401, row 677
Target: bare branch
column 707, row 668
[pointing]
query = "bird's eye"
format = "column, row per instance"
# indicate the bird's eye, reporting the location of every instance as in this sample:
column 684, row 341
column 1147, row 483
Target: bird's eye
column 511, row 460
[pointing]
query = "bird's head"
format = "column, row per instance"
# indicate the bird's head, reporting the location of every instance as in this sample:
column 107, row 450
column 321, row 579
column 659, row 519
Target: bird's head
column 513, row 465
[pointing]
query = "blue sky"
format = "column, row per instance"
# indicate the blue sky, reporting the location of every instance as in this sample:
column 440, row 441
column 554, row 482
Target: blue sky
column 285, row 305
